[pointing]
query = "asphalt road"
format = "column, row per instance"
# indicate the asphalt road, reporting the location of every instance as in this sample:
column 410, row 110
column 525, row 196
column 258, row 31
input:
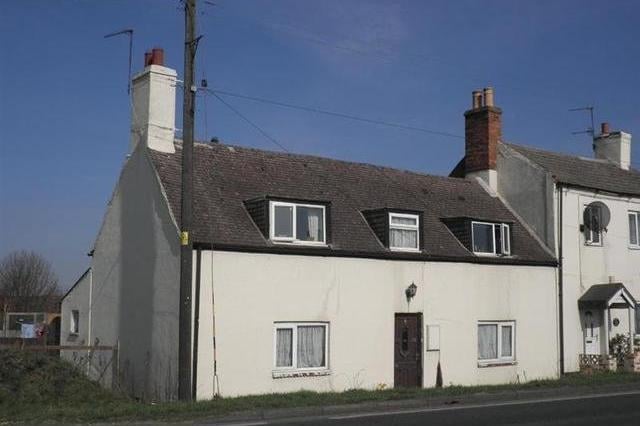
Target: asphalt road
column 609, row 410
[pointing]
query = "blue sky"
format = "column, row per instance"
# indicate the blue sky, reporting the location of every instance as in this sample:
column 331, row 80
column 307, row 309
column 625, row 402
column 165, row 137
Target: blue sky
column 64, row 111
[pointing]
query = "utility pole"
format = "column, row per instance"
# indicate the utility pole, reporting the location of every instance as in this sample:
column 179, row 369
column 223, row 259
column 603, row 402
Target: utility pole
column 185, row 391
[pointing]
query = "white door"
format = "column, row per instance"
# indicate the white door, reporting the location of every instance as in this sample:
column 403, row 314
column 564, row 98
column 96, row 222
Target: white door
column 591, row 329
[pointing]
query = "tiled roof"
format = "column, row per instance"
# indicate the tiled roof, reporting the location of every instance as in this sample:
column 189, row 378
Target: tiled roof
column 583, row 172
column 226, row 176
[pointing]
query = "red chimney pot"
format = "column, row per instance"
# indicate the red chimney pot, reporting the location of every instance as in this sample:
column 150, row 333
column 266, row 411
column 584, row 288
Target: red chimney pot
column 157, row 56
column 604, row 128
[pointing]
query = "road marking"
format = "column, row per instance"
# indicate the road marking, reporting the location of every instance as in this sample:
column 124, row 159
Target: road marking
column 241, row 424
column 484, row 405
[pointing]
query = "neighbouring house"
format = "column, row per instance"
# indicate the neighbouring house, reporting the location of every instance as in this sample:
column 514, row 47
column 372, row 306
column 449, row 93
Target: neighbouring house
column 309, row 273
column 587, row 210
column 75, row 326
column 34, row 320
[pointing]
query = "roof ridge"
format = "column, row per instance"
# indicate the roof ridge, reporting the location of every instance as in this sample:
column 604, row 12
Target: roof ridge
column 178, row 142
column 515, row 146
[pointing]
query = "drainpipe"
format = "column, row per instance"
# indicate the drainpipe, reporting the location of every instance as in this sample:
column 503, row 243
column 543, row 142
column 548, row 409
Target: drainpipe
column 560, row 282
column 196, row 324
column 216, row 381
column 89, row 314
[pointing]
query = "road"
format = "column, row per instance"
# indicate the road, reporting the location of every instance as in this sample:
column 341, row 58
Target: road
column 616, row 409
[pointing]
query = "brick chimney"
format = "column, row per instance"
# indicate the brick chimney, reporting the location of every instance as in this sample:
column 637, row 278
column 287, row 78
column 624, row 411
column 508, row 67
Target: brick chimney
column 483, row 130
column 614, row 146
column 154, row 104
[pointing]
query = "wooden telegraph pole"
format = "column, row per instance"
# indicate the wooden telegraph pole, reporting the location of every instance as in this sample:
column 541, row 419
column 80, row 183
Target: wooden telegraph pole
column 186, row 213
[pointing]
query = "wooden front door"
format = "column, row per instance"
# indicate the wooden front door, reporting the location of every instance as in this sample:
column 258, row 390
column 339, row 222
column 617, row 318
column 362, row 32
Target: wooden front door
column 408, row 350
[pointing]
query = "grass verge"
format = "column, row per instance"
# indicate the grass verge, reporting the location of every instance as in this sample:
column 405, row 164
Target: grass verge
column 35, row 388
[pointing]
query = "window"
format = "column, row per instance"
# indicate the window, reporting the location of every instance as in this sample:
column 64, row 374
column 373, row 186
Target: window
column 297, row 223
column 496, row 342
column 491, row 238
column 634, row 229
column 301, row 346
column 638, row 320
column 404, row 232
column 592, row 229
column 74, row 326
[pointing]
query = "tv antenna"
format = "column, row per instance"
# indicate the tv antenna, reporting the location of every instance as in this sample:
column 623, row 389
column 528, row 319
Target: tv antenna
column 128, row 32
column 588, row 130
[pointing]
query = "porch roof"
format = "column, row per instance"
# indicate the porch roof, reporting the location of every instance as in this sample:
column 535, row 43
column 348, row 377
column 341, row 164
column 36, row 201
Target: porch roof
column 601, row 296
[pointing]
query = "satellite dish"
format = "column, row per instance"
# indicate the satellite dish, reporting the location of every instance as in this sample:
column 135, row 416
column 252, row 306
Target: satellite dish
column 602, row 217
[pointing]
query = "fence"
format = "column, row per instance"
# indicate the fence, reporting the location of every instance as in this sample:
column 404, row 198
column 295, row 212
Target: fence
column 100, row 363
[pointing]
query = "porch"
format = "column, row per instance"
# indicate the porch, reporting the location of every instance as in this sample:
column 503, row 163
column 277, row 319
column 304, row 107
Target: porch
column 607, row 311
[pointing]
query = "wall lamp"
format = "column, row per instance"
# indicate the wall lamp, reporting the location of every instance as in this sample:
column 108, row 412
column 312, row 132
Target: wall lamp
column 411, row 291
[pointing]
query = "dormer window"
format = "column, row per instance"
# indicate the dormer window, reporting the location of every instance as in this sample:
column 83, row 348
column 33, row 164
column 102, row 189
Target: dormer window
column 297, row 223
column 404, row 232
column 491, row 239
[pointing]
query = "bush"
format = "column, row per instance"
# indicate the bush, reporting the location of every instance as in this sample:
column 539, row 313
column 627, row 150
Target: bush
column 620, row 347
column 39, row 377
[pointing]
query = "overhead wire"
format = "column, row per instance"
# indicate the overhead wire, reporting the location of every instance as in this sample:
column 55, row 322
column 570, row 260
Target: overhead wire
column 334, row 113
column 247, row 120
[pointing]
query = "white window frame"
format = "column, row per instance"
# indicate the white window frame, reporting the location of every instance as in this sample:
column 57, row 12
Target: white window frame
column 294, row 239
column 505, row 231
column 588, row 240
column 500, row 359
column 74, row 322
column 636, row 215
column 415, row 227
column 294, row 347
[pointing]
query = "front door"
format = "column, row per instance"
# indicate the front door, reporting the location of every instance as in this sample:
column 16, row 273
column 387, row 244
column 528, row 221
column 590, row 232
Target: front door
column 591, row 329
column 408, row 350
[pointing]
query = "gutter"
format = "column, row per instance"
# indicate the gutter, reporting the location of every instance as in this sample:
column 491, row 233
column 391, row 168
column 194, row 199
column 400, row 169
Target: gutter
column 382, row 255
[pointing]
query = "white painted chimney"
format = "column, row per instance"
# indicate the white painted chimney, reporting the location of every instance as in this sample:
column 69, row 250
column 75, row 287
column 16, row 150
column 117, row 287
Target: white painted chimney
column 153, row 114
column 613, row 146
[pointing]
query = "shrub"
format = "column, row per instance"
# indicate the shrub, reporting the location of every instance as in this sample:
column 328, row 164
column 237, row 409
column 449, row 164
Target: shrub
column 38, row 377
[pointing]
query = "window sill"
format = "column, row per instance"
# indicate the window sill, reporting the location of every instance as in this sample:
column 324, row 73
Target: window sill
column 483, row 254
column 300, row 243
column 634, row 247
column 404, row 250
column 282, row 374
column 487, row 364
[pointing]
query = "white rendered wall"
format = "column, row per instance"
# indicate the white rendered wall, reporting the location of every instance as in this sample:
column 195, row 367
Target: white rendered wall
column 359, row 298
column 77, row 299
column 136, row 281
column 584, row 266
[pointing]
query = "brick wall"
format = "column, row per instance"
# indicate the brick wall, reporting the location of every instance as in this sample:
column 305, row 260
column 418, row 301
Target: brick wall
column 483, row 128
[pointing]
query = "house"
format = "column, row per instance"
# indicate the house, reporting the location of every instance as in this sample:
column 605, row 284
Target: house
column 34, row 320
column 310, row 273
column 75, row 324
column 586, row 210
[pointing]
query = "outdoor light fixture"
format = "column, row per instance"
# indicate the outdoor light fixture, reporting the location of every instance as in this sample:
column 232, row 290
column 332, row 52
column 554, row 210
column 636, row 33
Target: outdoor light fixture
column 411, row 291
